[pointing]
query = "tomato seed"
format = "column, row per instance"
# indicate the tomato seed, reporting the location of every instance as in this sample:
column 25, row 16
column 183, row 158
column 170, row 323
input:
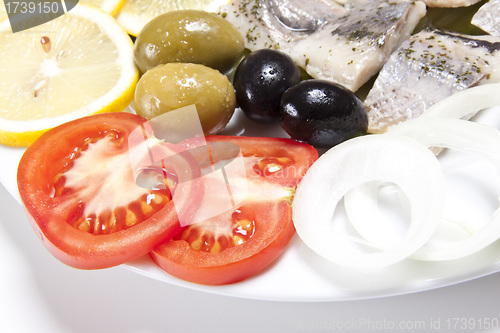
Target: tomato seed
column 216, row 248
column 238, row 240
column 130, row 218
column 84, row 226
column 196, row 245
column 158, row 199
column 245, row 224
column 215, row 239
column 145, row 208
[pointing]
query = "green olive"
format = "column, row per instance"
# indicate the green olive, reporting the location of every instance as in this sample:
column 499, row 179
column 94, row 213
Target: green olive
column 171, row 86
column 189, row 36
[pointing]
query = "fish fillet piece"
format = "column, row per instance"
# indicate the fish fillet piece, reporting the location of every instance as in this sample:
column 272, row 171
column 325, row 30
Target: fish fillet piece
column 429, row 3
column 346, row 44
column 427, row 68
column 487, row 17
column 354, row 48
column 450, row 3
column 279, row 23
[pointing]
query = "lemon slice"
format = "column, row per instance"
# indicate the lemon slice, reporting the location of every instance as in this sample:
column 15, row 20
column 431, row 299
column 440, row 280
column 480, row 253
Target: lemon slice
column 109, row 6
column 134, row 14
column 78, row 64
column 3, row 11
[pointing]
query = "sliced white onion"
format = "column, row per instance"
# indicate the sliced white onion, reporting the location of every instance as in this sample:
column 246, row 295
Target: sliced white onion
column 370, row 219
column 381, row 157
column 467, row 136
column 454, row 238
column 466, row 103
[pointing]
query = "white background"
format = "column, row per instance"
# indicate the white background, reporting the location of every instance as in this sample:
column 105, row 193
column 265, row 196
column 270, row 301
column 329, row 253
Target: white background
column 40, row 294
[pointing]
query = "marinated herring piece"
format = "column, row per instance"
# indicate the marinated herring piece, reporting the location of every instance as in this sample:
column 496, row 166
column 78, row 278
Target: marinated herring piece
column 487, row 18
column 345, row 44
column 429, row 3
column 279, row 23
column 352, row 49
column 450, row 3
column 427, row 68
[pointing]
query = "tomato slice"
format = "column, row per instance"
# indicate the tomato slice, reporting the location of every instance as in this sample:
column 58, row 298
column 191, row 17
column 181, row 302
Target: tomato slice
column 242, row 241
column 78, row 185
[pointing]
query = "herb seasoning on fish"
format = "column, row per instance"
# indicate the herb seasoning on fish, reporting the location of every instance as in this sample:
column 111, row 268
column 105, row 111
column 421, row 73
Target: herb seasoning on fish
column 427, row 68
column 345, row 44
column 353, row 48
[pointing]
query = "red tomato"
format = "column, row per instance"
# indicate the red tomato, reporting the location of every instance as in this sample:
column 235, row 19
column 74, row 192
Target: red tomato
column 79, row 188
column 241, row 242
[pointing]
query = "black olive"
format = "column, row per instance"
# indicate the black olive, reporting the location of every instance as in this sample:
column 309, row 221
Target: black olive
column 260, row 80
column 322, row 113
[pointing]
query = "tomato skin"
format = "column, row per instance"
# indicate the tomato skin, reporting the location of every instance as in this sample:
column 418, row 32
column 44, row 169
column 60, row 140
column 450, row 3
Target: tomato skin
column 273, row 222
column 51, row 153
column 237, row 263
column 303, row 154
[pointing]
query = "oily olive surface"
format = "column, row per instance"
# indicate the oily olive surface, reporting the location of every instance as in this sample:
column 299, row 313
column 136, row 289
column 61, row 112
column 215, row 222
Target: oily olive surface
column 189, row 36
column 260, row 80
column 322, row 113
column 171, row 86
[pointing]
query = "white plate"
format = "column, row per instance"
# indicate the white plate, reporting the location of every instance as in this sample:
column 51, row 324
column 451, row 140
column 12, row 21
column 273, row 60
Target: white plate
column 301, row 275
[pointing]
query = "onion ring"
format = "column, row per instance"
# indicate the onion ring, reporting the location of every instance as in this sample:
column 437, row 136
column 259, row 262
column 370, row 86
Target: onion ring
column 479, row 139
column 467, row 136
column 378, row 157
column 466, row 103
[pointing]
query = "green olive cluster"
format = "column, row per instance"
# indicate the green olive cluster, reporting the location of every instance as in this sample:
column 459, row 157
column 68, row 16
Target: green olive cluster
column 184, row 57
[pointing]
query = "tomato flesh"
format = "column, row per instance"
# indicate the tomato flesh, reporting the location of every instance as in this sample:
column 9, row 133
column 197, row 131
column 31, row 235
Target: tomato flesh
column 79, row 189
column 242, row 242
column 99, row 208
column 201, row 237
column 273, row 231
column 88, row 203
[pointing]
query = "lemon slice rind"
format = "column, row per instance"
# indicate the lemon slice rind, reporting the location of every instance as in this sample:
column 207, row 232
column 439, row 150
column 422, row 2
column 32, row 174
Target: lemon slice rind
column 135, row 14
column 14, row 132
column 109, row 6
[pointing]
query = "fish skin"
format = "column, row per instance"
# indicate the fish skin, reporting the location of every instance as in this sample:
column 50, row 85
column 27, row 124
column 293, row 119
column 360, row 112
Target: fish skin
column 487, row 18
column 348, row 45
column 450, row 3
column 427, row 68
column 360, row 42
column 429, row 3
column 262, row 29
